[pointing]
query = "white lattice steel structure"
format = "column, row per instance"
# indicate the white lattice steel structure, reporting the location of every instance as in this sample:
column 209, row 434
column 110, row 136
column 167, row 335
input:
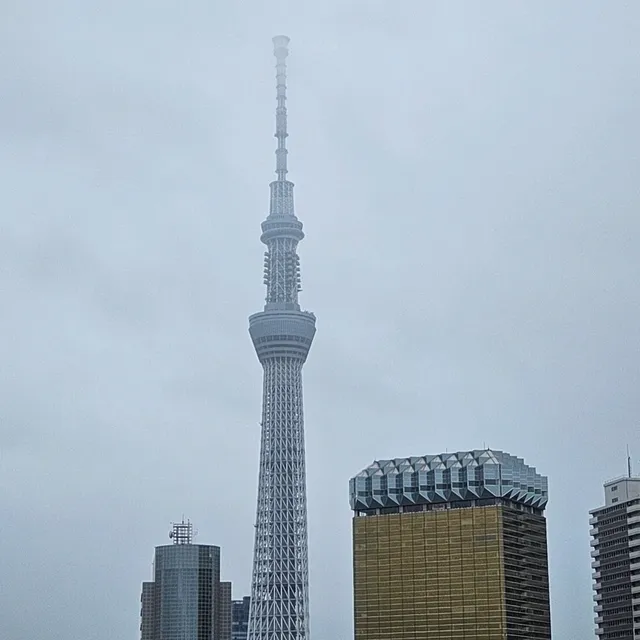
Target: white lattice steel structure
column 282, row 336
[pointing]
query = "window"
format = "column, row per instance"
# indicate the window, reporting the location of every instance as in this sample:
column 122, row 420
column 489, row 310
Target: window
column 614, row 500
column 614, row 488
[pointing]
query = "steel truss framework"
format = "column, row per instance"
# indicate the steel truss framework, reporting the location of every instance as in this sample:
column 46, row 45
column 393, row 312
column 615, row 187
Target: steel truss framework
column 280, row 570
column 282, row 335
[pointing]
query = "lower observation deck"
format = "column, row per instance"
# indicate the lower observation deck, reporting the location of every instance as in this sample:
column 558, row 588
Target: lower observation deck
column 280, row 333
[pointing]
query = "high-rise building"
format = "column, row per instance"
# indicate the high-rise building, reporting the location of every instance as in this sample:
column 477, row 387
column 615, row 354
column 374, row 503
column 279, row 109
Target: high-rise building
column 183, row 602
column 240, row 618
column 282, row 334
column 225, row 611
column 147, row 619
column 450, row 546
column 616, row 560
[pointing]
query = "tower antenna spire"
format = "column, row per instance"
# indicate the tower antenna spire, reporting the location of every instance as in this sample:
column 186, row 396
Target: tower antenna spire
column 281, row 51
column 629, row 461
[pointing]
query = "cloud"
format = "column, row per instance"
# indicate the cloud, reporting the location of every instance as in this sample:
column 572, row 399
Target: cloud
column 466, row 177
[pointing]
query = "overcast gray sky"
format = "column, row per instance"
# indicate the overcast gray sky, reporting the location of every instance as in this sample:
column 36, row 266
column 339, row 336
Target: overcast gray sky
column 467, row 173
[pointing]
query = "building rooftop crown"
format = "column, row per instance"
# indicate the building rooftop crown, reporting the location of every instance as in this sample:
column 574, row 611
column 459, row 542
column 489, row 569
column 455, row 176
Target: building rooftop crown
column 448, row 477
column 621, row 479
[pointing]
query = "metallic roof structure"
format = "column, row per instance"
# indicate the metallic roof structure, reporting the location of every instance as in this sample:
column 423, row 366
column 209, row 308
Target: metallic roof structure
column 282, row 335
column 447, row 477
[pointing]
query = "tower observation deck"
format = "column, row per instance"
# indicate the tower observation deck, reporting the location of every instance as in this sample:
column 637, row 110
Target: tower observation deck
column 282, row 335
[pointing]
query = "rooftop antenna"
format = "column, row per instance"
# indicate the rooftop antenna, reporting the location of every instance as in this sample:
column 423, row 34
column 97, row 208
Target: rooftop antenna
column 628, row 461
column 181, row 532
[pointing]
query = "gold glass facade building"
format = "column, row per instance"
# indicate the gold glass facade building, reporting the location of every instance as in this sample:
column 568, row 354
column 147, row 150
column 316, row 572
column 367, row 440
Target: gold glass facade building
column 437, row 556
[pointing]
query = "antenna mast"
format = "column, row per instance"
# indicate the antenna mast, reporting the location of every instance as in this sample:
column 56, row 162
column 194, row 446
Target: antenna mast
column 281, row 51
column 181, row 532
column 628, row 461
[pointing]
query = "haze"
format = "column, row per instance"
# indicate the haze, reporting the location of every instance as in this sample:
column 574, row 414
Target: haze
column 467, row 173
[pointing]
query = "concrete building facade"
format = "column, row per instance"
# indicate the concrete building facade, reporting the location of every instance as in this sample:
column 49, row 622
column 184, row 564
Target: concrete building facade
column 615, row 533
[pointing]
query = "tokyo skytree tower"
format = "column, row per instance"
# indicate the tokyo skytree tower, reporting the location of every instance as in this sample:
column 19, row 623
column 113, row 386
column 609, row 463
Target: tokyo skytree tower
column 282, row 336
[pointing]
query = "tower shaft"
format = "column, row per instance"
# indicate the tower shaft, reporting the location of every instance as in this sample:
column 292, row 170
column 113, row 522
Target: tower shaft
column 282, row 335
